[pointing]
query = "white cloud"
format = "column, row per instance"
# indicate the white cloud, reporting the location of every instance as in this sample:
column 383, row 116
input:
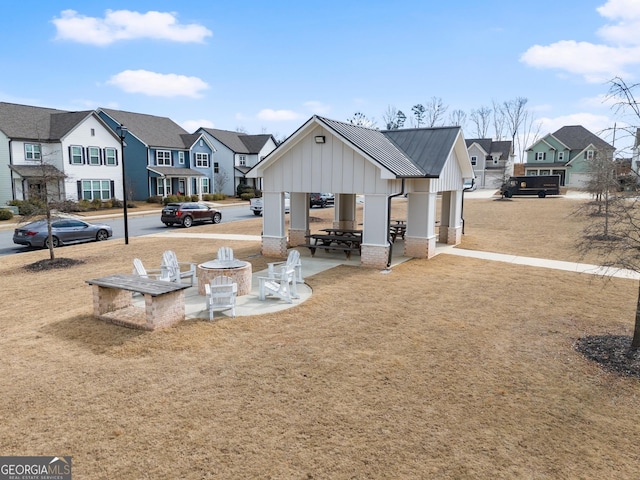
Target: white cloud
column 316, row 107
column 596, row 62
column 277, row 115
column 193, row 125
column 158, row 84
column 126, row 25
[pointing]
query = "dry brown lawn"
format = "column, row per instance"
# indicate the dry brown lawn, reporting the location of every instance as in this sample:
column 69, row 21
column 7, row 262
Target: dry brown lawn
column 444, row 368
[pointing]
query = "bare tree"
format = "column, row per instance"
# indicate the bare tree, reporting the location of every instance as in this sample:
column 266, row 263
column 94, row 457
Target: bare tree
column 529, row 134
column 220, row 179
column 361, row 120
column 434, row 112
column 393, row 118
column 481, row 119
column 458, row 118
column 499, row 121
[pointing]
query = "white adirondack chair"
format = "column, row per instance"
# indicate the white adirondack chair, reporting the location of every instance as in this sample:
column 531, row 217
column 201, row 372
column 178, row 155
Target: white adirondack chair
column 280, row 287
column 156, row 274
column 293, row 261
column 221, row 295
column 225, row 254
column 176, row 270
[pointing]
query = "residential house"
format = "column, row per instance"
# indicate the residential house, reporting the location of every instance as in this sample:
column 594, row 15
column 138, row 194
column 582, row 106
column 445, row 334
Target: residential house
column 74, row 154
column 161, row 158
column 492, row 161
column 566, row 152
column 635, row 153
column 236, row 153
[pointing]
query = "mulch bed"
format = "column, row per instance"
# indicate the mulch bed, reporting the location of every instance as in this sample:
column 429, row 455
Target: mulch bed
column 50, row 264
column 611, row 352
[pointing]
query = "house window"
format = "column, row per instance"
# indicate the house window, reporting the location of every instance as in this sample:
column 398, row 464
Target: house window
column 110, row 156
column 93, row 132
column 541, row 156
column 76, row 155
column 545, row 172
column 163, row 158
column 242, row 160
column 32, row 152
column 205, row 185
column 216, row 167
column 96, row 189
column 531, row 172
column 94, row 155
column 588, row 154
column 474, row 160
column 202, row 160
column 181, row 158
column 160, row 187
column 561, row 156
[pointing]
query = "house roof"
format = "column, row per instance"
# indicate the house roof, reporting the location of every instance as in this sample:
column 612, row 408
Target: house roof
column 37, row 123
column 37, row 171
column 175, row 172
column 156, row 132
column 239, row 142
column 503, row 147
column 576, row 137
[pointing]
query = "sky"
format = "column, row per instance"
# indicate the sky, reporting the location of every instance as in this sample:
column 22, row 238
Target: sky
column 267, row 67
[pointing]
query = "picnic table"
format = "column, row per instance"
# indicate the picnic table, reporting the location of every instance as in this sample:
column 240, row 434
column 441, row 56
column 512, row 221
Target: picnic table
column 340, row 239
column 397, row 228
column 112, row 301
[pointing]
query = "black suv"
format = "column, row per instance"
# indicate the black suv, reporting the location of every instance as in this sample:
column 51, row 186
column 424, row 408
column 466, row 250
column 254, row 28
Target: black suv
column 186, row 214
column 321, row 199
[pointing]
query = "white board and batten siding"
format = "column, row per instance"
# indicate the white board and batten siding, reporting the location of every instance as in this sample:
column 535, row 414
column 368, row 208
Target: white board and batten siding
column 333, row 166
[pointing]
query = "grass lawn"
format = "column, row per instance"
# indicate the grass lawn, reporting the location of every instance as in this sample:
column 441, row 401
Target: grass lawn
column 444, row 368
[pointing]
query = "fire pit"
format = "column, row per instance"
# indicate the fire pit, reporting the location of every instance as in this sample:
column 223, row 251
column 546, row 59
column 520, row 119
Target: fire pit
column 238, row 270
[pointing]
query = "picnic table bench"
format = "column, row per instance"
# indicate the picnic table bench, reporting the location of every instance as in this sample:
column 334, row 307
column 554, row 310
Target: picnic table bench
column 112, row 301
column 344, row 240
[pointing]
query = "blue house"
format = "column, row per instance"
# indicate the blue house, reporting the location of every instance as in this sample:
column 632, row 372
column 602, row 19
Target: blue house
column 161, row 158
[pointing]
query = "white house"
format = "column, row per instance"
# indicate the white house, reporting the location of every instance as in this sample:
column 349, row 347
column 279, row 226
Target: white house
column 75, row 153
column 325, row 155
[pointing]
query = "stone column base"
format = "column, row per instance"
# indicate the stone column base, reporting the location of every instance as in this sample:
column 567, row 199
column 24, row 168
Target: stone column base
column 375, row 256
column 451, row 235
column 297, row 237
column 419, row 247
column 274, row 247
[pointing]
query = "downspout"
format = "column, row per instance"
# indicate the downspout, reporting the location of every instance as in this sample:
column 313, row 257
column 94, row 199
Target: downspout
column 473, row 181
column 389, row 239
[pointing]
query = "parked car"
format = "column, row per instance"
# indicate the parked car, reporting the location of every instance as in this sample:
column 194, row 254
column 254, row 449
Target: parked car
column 321, row 199
column 255, row 204
column 64, row 231
column 188, row 213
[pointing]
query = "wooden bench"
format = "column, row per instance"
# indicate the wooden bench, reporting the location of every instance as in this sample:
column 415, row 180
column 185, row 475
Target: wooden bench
column 343, row 248
column 112, row 301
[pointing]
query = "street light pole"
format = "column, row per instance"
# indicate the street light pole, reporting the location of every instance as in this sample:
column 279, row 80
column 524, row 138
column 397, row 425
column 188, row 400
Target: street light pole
column 123, row 133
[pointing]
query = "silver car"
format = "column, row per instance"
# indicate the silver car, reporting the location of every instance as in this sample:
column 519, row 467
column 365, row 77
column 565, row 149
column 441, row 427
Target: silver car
column 64, row 232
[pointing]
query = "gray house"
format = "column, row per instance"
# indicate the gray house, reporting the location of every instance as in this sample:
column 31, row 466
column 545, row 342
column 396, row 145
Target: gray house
column 491, row 160
column 235, row 154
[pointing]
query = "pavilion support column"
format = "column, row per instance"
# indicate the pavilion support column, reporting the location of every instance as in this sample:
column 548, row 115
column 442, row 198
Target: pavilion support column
column 420, row 238
column 299, row 219
column 344, row 213
column 274, row 240
column 374, row 251
column 451, row 233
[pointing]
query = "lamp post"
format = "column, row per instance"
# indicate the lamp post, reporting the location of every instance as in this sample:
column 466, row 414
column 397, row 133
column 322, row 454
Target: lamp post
column 123, row 133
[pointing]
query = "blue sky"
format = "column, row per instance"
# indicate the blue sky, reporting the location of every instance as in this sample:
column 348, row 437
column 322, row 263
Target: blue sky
column 269, row 66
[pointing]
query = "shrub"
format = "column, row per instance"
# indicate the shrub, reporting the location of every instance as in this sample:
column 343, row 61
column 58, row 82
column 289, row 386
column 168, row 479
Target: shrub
column 96, row 204
column 218, row 196
column 28, row 207
column 207, row 197
column 195, row 198
column 154, row 199
column 115, row 203
column 5, row 214
column 170, row 199
column 247, row 196
column 242, row 188
column 84, row 205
